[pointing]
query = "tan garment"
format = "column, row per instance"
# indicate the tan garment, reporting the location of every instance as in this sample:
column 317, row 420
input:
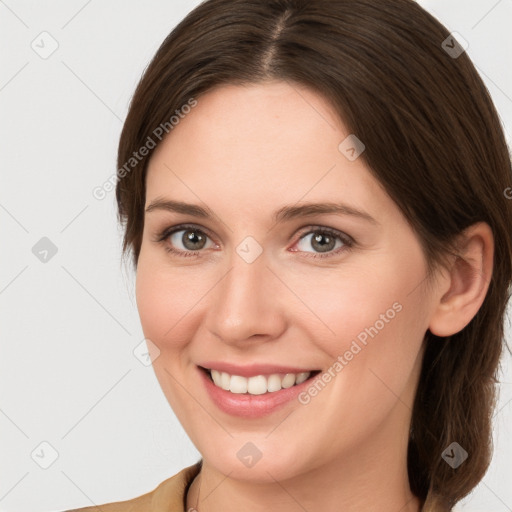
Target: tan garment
column 169, row 496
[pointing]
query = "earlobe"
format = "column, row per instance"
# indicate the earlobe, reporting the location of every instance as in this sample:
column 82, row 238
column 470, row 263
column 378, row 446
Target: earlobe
column 467, row 282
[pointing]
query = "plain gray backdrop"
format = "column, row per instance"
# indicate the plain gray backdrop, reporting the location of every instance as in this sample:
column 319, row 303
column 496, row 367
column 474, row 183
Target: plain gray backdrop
column 82, row 420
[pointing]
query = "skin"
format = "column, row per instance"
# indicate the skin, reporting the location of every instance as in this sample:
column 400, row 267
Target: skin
column 244, row 152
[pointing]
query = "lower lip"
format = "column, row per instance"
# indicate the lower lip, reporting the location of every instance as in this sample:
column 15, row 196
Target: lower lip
column 251, row 406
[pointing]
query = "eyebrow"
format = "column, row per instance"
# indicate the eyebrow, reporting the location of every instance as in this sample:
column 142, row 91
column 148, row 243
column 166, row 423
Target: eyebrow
column 285, row 213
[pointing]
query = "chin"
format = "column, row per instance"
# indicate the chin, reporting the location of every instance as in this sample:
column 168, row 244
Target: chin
column 259, row 461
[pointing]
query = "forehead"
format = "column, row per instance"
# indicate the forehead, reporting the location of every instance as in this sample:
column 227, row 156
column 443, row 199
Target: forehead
column 270, row 142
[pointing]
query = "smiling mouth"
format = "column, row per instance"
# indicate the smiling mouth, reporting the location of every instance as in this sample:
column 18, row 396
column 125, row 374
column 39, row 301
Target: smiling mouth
column 258, row 384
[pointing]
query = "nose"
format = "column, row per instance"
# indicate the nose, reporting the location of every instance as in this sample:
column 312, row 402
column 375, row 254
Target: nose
column 247, row 304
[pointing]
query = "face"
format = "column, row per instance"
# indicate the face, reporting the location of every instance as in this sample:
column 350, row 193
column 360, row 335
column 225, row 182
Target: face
column 267, row 291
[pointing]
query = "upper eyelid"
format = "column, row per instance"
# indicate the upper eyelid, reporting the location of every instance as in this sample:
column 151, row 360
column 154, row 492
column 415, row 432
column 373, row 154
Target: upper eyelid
column 166, row 232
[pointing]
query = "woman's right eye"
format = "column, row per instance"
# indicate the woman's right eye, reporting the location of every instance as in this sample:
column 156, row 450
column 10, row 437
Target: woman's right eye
column 185, row 241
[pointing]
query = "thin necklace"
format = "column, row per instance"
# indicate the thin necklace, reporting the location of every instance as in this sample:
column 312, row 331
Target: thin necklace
column 195, row 509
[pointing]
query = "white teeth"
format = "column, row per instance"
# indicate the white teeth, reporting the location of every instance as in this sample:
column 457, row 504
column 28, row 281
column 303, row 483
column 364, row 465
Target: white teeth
column 224, row 381
column 274, row 383
column 288, row 381
column 301, row 377
column 216, row 377
column 257, row 385
column 238, row 384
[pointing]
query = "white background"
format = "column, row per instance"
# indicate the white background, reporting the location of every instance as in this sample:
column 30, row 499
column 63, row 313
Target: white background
column 69, row 326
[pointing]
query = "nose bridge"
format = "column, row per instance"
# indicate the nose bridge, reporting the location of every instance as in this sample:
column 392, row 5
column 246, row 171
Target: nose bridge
column 244, row 303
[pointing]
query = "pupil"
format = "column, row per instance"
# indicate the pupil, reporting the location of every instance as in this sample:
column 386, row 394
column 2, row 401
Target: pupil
column 328, row 245
column 194, row 239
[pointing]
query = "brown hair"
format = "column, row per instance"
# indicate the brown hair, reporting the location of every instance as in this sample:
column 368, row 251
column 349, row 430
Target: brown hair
column 433, row 140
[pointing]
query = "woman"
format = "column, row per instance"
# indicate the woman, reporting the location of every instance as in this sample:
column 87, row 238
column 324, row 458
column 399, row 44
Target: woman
column 313, row 194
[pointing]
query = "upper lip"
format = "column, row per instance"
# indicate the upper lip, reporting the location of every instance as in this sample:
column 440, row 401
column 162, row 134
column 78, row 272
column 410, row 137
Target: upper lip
column 252, row 370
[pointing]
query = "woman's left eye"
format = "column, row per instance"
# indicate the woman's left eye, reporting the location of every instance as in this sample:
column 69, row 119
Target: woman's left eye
column 326, row 242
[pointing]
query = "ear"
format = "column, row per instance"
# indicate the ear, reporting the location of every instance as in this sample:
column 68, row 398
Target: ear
column 465, row 286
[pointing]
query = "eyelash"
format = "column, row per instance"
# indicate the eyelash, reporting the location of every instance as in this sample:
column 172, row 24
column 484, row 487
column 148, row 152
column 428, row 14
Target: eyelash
column 163, row 235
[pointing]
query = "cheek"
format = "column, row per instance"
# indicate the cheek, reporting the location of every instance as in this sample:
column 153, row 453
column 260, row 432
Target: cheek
column 168, row 301
column 348, row 304
column 371, row 320
column 160, row 302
